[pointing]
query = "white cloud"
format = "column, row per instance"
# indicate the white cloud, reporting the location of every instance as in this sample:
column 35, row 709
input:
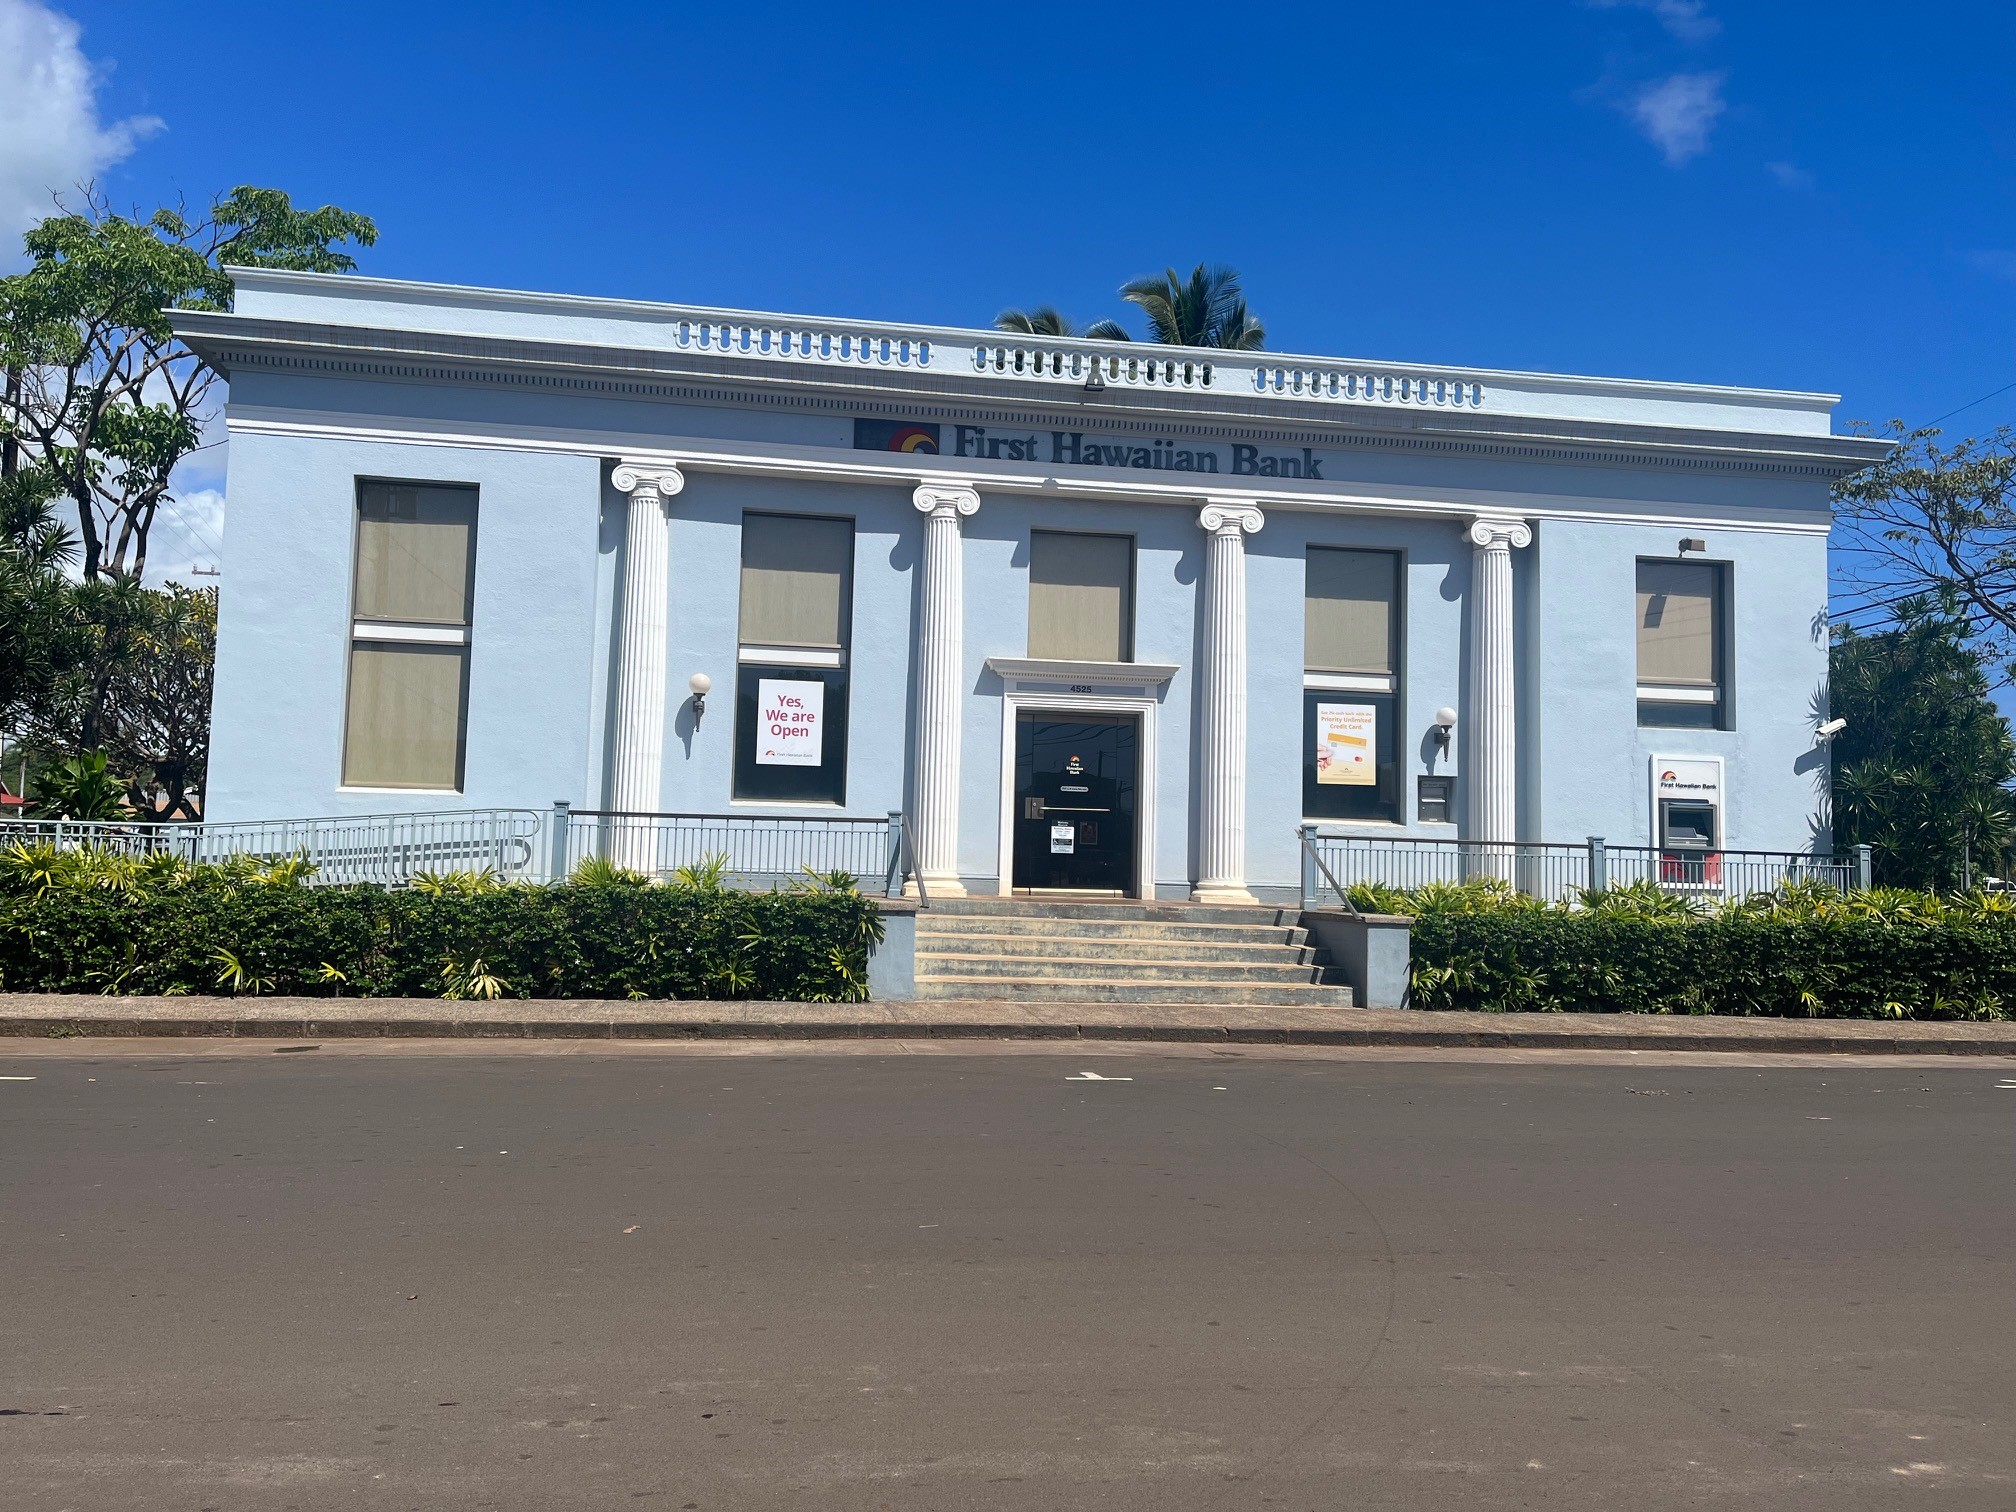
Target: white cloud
column 1678, row 112
column 51, row 138
column 1686, row 19
column 188, row 533
column 1790, row 176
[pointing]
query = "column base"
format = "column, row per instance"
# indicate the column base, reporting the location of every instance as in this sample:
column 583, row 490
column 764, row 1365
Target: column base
column 939, row 887
column 1215, row 893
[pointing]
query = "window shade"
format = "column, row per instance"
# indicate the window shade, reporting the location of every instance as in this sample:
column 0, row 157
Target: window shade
column 1677, row 614
column 405, row 716
column 415, row 553
column 1081, row 590
column 795, row 572
column 1348, row 610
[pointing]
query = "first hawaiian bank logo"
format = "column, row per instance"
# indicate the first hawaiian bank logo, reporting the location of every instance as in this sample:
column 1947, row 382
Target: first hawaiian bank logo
column 896, row 436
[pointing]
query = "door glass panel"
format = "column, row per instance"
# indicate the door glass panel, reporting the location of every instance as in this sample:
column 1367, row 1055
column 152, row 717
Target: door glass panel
column 1075, row 796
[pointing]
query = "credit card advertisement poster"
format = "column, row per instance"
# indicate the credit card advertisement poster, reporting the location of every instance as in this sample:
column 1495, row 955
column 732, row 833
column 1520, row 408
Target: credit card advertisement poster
column 789, row 716
column 1344, row 744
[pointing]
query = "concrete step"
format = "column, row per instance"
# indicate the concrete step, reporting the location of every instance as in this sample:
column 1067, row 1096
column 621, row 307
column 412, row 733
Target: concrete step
column 1118, row 908
column 933, row 925
column 1235, row 974
column 1056, row 990
column 1116, row 947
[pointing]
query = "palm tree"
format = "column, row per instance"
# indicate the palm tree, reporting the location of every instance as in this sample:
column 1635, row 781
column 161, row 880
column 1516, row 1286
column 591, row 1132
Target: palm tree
column 1208, row 309
column 1047, row 320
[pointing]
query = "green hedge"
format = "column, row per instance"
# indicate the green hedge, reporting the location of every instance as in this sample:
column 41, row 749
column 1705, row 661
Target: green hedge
column 1527, row 961
column 547, row 942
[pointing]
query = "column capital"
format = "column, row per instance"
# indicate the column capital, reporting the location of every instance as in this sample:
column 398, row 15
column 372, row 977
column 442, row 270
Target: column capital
column 945, row 499
column 1498, row 532
column 1222, row 517
column 658, row 479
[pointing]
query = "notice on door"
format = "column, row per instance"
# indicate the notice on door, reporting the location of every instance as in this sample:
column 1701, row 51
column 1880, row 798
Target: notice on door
column 789, row 719
column 1345, row 736
column 1063, row 838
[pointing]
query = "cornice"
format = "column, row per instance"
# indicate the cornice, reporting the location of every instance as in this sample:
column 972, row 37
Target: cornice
column 234, row 341
column 792, row 461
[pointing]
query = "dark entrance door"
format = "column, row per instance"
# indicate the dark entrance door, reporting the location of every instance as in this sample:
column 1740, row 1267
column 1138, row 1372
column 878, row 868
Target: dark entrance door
column 1075, row 782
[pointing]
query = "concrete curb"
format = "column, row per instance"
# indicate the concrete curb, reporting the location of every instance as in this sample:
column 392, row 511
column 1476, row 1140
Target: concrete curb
column 59, row 1017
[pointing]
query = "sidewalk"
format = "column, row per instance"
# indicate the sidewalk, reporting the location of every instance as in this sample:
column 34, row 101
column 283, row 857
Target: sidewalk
column 61, row 1016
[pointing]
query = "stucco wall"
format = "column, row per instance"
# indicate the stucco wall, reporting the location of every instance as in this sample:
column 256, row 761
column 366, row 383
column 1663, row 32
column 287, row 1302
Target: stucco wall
column 284, row 626
column 550, row 538
column 1595, row 761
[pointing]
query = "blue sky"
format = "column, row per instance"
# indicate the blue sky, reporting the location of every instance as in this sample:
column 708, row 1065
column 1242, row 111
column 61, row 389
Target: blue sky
column 1804, row 195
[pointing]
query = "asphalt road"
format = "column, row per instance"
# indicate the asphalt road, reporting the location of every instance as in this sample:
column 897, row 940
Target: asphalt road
column 323, row 1279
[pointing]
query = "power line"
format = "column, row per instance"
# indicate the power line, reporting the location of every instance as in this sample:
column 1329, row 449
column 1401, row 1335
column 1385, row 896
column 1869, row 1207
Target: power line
column 195, row 528
column 1969, row 405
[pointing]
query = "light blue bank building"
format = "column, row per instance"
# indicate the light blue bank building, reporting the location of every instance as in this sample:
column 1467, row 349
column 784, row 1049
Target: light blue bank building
column 1093, row 616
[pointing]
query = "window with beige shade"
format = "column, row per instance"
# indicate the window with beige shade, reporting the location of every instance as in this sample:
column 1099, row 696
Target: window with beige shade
column 796, row 607
column 1680, row 644
column 1081, row 596
column 406, row 719
column 1350, row 684
column 1349, row 611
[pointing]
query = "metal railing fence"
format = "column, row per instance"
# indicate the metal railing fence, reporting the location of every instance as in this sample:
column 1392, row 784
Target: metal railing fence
column 382, row 848
column 1558, row 872
column 758, row 851
column 518, row 845
column 1719, row 874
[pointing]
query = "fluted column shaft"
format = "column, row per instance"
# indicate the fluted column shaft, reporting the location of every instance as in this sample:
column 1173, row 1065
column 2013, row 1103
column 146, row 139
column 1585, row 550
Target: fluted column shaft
column 1221, row 707
column 940, row 674
column 1493, row 734
column 639, row 726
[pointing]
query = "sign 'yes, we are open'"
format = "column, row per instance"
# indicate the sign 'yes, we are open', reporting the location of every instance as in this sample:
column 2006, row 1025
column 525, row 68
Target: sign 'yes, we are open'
column 790, row 717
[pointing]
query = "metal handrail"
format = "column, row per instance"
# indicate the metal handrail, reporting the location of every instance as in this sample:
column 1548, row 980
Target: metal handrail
column 910, row 848
column 1309, row 848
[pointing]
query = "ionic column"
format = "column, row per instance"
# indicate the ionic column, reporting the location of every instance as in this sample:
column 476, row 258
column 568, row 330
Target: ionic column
column 638, row 730
column 1221, row 707
column 1493, row 754
column 940, row 679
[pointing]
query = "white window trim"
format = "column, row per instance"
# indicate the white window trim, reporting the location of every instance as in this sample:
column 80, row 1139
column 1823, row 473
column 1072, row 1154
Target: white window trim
column 1349, row 682
column 410, row 634
column 1676, row 693
column 790, row 656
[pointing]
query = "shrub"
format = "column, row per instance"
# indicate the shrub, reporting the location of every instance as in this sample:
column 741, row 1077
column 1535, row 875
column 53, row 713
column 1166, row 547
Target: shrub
column 241, row 927
column 1744, row 962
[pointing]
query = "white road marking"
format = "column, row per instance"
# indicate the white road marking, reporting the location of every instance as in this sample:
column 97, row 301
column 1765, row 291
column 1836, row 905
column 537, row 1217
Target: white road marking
column 1095, row 1076
column 16, row 1078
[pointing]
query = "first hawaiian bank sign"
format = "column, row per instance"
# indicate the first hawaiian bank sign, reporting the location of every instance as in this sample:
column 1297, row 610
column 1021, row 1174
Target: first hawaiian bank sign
column 1078, row 449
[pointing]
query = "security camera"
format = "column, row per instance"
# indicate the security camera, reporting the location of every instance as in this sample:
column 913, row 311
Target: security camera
column 1830, row 729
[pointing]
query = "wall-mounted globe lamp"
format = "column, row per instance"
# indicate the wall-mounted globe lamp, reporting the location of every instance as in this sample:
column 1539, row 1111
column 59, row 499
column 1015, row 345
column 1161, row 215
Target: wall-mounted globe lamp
column 1445, row 723
column 702, row 685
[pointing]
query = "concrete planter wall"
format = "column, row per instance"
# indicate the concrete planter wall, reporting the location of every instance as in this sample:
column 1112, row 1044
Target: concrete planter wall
column 1373, row 952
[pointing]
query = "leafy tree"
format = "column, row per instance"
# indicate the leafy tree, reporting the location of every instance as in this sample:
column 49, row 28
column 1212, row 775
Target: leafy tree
column 1921, row 772
column 99, row 393
column 1206, row 309
column 158, row 698
column 1047, row 320
column 79, row 787
column 43, row 638
column 1939, row 521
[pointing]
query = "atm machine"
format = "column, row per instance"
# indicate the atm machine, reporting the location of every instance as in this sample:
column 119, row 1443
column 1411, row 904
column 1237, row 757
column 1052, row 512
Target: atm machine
column 1687, row 799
